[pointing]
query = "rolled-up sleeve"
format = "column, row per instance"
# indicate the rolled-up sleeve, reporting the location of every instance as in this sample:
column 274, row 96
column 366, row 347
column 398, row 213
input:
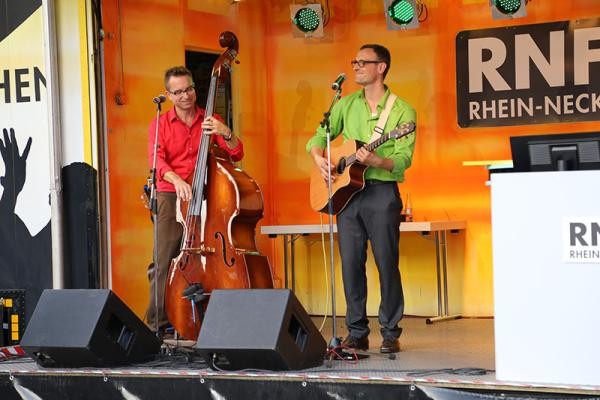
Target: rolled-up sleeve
column 237, row 153
column 404, row 147
column 336, row 123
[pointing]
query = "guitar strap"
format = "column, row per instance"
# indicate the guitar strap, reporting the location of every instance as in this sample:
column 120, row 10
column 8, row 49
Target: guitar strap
column 378, row 131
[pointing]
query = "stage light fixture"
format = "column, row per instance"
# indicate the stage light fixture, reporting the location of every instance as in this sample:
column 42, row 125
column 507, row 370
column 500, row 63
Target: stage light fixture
column 507, row 9
column 307, row 20
column 401, row 14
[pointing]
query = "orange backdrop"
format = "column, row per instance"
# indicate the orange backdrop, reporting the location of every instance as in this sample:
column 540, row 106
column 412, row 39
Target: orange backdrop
column 280, row 91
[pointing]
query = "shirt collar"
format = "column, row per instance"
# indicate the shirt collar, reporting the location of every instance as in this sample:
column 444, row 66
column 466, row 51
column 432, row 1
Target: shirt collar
column 381, row 104
column 172, row 115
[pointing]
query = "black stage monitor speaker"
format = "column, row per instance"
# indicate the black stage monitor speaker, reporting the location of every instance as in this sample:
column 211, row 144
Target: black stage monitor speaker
column 259, row 329
column 86, row 328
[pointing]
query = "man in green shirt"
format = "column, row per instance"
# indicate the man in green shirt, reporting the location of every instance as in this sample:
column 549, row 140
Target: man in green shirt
column 373, row 213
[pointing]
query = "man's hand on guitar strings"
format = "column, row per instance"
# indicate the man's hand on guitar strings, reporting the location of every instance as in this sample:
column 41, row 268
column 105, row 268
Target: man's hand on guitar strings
column 322, row 164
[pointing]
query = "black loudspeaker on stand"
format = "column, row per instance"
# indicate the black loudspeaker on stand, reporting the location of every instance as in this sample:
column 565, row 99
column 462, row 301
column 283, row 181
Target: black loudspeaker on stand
column 259, row 329
column 86, row 328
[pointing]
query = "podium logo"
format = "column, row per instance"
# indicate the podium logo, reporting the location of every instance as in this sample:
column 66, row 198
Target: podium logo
column 581, row 240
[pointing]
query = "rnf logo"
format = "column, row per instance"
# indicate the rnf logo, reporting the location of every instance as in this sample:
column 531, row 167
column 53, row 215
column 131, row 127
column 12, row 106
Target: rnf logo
column 581, row 240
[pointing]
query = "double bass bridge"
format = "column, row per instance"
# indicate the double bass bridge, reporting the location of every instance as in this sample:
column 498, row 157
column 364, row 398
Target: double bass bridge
column 202, row 250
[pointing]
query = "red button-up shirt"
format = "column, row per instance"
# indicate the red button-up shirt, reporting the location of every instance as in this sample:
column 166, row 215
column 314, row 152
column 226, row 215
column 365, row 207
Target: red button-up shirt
column 178, row 146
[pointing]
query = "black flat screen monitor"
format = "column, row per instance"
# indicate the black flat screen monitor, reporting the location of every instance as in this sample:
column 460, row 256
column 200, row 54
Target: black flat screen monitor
column 560, row 152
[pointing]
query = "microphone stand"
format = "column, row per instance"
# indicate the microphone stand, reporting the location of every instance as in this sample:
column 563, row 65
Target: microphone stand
column 154, row 211
column 335, row 341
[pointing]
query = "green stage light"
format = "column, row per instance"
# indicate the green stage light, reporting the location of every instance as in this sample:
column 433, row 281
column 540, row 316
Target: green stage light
column 504, row 9
column 307, row 20
column 507, row 6
column 401, row 14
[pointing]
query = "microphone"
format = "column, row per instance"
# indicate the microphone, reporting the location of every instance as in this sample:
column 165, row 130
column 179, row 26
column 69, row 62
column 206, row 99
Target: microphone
column 159, row 99
column 338, row 82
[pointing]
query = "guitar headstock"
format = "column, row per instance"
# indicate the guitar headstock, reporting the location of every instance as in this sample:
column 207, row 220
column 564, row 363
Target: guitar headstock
column 402, row 130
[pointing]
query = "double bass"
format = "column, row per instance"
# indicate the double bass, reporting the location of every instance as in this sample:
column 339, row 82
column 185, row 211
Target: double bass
column 218, row 247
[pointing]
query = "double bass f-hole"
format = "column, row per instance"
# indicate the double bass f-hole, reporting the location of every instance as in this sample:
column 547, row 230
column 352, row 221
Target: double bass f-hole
column 229, row 263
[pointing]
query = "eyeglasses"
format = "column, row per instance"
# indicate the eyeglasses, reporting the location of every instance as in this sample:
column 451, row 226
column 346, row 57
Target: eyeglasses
column 361, row 63
column 180, row 92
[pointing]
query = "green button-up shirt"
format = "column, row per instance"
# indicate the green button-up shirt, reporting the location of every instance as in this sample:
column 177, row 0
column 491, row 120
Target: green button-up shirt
column 351, row 116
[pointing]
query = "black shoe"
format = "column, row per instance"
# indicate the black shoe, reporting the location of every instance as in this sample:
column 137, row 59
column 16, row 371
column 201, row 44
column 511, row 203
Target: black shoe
column 165, row 335
column 165, row 332
column 390, row 345
column 356, row 343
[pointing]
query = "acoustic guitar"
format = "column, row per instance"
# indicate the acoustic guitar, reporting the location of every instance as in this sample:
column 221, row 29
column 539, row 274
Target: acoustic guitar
column 349, row 173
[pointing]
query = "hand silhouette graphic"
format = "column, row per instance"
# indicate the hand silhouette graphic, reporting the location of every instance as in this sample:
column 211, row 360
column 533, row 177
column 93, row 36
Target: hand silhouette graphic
column 14, row 164
column 20, row 267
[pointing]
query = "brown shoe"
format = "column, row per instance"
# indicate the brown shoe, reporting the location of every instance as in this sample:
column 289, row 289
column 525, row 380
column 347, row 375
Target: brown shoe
column 390, row 345
column 356, row 343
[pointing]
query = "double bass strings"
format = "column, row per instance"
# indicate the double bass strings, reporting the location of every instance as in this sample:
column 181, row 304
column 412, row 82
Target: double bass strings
column 200, row 170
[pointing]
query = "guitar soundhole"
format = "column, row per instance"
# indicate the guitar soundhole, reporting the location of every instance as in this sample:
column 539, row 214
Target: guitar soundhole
column 341, row 166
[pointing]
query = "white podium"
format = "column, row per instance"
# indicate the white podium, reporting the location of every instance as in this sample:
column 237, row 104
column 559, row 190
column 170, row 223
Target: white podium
column 547, row 276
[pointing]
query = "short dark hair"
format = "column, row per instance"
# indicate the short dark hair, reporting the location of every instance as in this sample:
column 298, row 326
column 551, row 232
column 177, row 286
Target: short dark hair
column 382, row 53
column 179, row 70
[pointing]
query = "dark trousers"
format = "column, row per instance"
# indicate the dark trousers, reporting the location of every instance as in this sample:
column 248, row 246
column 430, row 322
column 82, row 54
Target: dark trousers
column 372, row 215
column 169, row 243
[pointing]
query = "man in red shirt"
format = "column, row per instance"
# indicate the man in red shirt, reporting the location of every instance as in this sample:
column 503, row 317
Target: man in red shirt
column 180, row 130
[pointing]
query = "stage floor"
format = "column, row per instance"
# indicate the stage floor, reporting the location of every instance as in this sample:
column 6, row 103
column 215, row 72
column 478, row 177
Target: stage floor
column 456, row 354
